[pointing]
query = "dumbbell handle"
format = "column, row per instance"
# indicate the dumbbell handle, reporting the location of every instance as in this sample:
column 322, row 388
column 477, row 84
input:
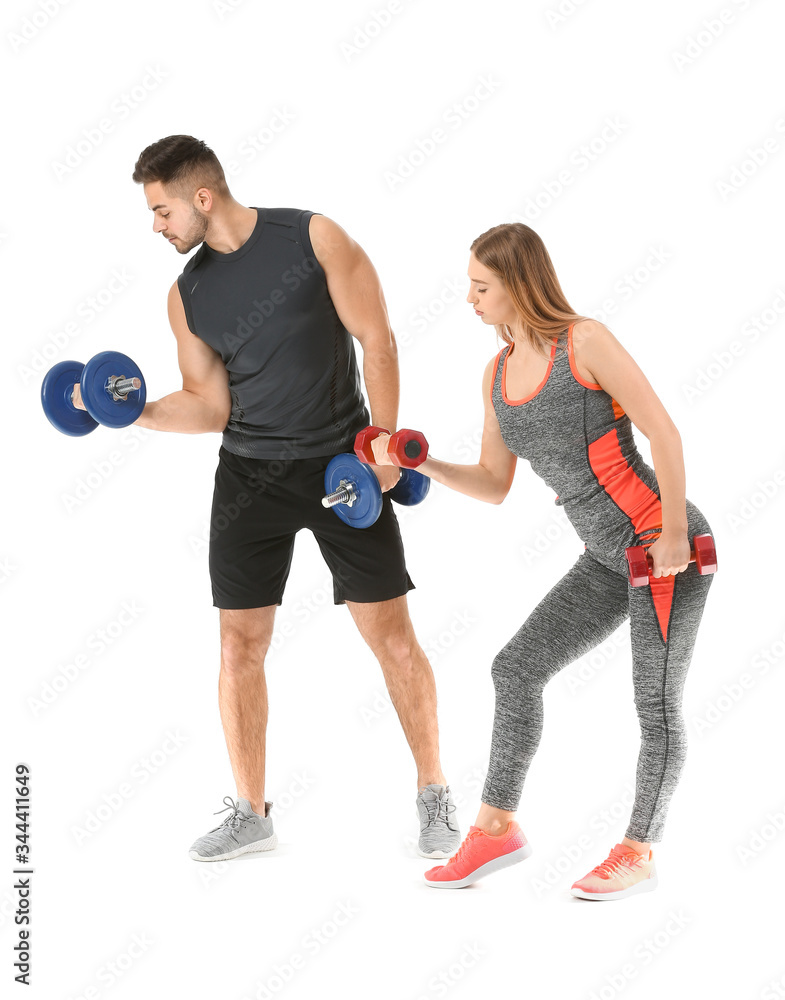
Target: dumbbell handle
column 122, row 386
column 344, row 494
column 650, row 559
column 118, row 386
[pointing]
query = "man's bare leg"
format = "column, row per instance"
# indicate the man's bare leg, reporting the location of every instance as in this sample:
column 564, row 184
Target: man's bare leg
column 242, row 697
column 387, row 628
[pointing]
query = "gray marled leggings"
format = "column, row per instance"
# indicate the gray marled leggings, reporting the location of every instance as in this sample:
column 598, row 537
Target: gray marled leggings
column 586, row 606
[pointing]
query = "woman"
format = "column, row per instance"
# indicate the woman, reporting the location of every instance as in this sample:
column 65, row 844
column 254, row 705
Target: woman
column 564, row 394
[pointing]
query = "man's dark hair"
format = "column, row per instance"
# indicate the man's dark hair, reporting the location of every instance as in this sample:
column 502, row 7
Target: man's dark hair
column 183, row 165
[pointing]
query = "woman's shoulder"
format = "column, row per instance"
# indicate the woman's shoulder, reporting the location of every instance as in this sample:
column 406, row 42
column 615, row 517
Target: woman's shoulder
column 588, row 336
column 490, row 367
column 489, row 373
column 584, row 329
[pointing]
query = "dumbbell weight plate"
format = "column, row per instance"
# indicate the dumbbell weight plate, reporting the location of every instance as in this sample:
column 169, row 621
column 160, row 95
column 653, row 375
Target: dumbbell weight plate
column 412, row 488
column 98, row 402
column 368, row 505
column 56, row 392
column 637, row 566
column 407, row 448
column 705, row 553
column 363, row 443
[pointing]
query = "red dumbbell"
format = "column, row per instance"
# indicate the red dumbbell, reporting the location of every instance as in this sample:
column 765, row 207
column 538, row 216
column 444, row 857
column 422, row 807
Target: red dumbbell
column 406, row 448
column 640, row 563
column 362, row 443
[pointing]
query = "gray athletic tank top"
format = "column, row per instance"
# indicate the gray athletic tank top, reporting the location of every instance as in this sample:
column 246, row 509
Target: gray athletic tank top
column 580, row 441
column 265, row 308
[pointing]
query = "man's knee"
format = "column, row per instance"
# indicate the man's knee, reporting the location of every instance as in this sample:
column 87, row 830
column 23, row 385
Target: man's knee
column 244, row 641
column 240, row 653
column 394, row 643
column 400, row 649
column 386, row 628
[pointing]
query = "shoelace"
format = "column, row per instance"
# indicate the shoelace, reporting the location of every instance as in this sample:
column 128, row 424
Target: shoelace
column 470, row 837
column 442, row 809
column 617, row 863
column 235, row 819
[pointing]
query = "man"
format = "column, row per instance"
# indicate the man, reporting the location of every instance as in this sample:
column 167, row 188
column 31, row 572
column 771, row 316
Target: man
column 263, row 315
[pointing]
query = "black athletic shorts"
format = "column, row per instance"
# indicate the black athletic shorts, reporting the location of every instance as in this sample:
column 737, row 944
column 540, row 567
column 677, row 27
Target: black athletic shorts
column 258, row 508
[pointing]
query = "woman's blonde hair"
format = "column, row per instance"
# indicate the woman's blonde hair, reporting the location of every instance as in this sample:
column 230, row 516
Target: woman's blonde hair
column 518, row 256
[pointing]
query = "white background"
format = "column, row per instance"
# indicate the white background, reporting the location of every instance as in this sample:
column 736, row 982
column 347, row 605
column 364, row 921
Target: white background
column 692, row 170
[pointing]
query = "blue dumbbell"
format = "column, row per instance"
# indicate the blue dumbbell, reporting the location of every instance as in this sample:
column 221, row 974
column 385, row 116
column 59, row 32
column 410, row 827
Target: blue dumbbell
column 112, row 388
column 354, row 493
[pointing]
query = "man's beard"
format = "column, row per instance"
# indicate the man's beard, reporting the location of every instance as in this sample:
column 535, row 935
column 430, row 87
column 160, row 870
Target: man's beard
column 195, row 233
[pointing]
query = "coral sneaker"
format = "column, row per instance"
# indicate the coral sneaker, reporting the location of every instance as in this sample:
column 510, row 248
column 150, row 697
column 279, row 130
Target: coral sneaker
column 623, row 873
column 480, row 854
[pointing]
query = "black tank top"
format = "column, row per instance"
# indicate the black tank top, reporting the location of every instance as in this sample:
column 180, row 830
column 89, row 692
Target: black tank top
column 266, row 310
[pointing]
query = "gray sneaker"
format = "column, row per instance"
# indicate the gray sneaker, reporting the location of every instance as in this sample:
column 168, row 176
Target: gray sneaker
column 242, row 832
column 439, row 833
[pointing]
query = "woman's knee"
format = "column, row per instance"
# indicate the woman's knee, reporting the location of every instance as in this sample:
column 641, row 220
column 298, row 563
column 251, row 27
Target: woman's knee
column 515, row 665
column 662, row 718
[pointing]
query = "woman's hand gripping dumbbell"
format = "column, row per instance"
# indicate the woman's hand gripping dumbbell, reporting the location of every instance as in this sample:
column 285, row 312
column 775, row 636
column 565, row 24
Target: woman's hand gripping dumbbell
column 640, row 564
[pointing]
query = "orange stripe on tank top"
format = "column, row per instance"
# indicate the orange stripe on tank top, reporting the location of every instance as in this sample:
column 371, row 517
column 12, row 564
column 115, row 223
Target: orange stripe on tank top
column 639, row 503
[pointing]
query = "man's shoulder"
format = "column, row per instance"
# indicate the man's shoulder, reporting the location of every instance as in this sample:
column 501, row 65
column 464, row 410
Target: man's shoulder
column 284, row 216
